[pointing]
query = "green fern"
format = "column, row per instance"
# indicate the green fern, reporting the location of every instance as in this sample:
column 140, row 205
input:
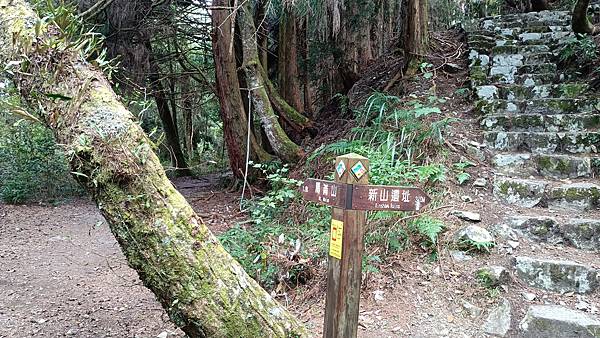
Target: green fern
column 428, row 227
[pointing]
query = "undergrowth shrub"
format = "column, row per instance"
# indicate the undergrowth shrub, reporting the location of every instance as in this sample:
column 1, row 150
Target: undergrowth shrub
column 290, row 236
column 578, row 53
column 277, row 248
column 32, row 166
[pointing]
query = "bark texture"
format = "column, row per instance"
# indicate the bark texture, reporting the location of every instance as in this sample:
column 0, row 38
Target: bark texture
column 416, row 33
column 232, row 109
column 289, row 76
column 580, row 21
column 203, row 289
column 256, row 81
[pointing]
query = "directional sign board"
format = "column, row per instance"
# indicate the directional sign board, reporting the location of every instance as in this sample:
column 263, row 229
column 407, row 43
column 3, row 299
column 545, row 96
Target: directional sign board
column 325, row 192
column 383, row 197
column 364, row 197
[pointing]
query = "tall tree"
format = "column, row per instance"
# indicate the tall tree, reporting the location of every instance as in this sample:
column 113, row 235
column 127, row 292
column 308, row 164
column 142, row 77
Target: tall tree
column 580, row 21
column 289, row 76
column 416, row 33
column 232, row 111
column 258, row 83
column 203, row 289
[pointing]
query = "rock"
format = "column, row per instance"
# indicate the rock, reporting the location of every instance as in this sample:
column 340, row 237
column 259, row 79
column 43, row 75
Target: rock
column 498, row 321
column 521, row 192
column 471, row 309
column 513, row 244
column 557, row 321
column 480, row 182
column 494, row 275
column 466, row 199
column 378, row 295
column 460, row 256
column 473, row 233
column 557, row 276
column 582, row 234
column 476, row 152
column 530, row 296
column 467, row 215
column 504, row 231
column 163, row 334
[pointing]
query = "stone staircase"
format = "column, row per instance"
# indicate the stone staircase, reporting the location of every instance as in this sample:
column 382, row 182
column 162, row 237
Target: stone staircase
column 543, row 128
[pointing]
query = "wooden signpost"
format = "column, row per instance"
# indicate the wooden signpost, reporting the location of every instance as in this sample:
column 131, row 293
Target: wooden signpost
column 351, row 196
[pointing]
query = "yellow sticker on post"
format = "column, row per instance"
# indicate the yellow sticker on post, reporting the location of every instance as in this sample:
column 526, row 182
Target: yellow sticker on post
column 336, row 238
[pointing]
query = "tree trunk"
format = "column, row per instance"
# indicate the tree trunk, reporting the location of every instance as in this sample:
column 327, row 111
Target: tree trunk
column 539, row 5
column 580, row 21
column 416, row 33
column 283, row 147
column 233, row 114
column 188, row 115
column 263, row 33
column 168, row 123
column 289, row 77
column 204, row 290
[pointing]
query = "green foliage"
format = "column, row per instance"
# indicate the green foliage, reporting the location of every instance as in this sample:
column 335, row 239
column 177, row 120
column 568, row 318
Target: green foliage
column 428, row 227
column 74, row 35
column 32, row 166
column 578, row 52
column 396, row 136
column 276, row 248
column 471, row 245
column 461, row 176
column 486, row 280
column 282, row 191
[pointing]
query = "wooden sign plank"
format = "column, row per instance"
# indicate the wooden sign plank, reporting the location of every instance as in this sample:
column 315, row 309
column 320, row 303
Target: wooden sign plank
column 392, row 198
column 324, row 192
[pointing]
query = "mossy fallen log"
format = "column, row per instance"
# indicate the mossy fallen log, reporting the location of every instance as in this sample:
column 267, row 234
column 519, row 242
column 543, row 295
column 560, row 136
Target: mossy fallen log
column 204, row 290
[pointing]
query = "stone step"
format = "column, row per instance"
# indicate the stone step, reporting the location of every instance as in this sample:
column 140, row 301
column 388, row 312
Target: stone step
column 506, row 74
column 479, row 77
column 519, row 92
column 528, row 193
column 530, row 18
column 582, row 234
column 543, row 142
column 489, row 39
column 556, row 275
column 521, row 50
column 541, row 123
column 525, row 193
column 547, row 165
column 538, row 106
column 581, row 196
column 550, row 321
column 523, row 23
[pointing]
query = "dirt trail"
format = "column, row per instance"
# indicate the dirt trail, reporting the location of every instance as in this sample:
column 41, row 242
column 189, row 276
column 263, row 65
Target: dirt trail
column 62, row 273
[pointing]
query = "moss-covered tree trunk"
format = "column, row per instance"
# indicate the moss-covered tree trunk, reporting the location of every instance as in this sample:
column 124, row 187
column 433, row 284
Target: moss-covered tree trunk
column 256, row 81
column 232, row 108
column 203, row 289
column 580, row 21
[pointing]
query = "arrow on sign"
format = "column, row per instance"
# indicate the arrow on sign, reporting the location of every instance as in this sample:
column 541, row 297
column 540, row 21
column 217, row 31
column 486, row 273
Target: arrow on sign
column 385, row 197
column 325, row 192
column 364, row 197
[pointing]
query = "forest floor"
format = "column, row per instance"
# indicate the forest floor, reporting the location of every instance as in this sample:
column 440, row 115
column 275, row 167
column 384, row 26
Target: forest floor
column 63, row 274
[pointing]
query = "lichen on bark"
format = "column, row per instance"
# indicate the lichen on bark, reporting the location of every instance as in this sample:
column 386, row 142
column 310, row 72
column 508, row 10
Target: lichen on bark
column 204, row 290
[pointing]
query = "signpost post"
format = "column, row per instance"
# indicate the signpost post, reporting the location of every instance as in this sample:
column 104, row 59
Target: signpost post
column 351, row 196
